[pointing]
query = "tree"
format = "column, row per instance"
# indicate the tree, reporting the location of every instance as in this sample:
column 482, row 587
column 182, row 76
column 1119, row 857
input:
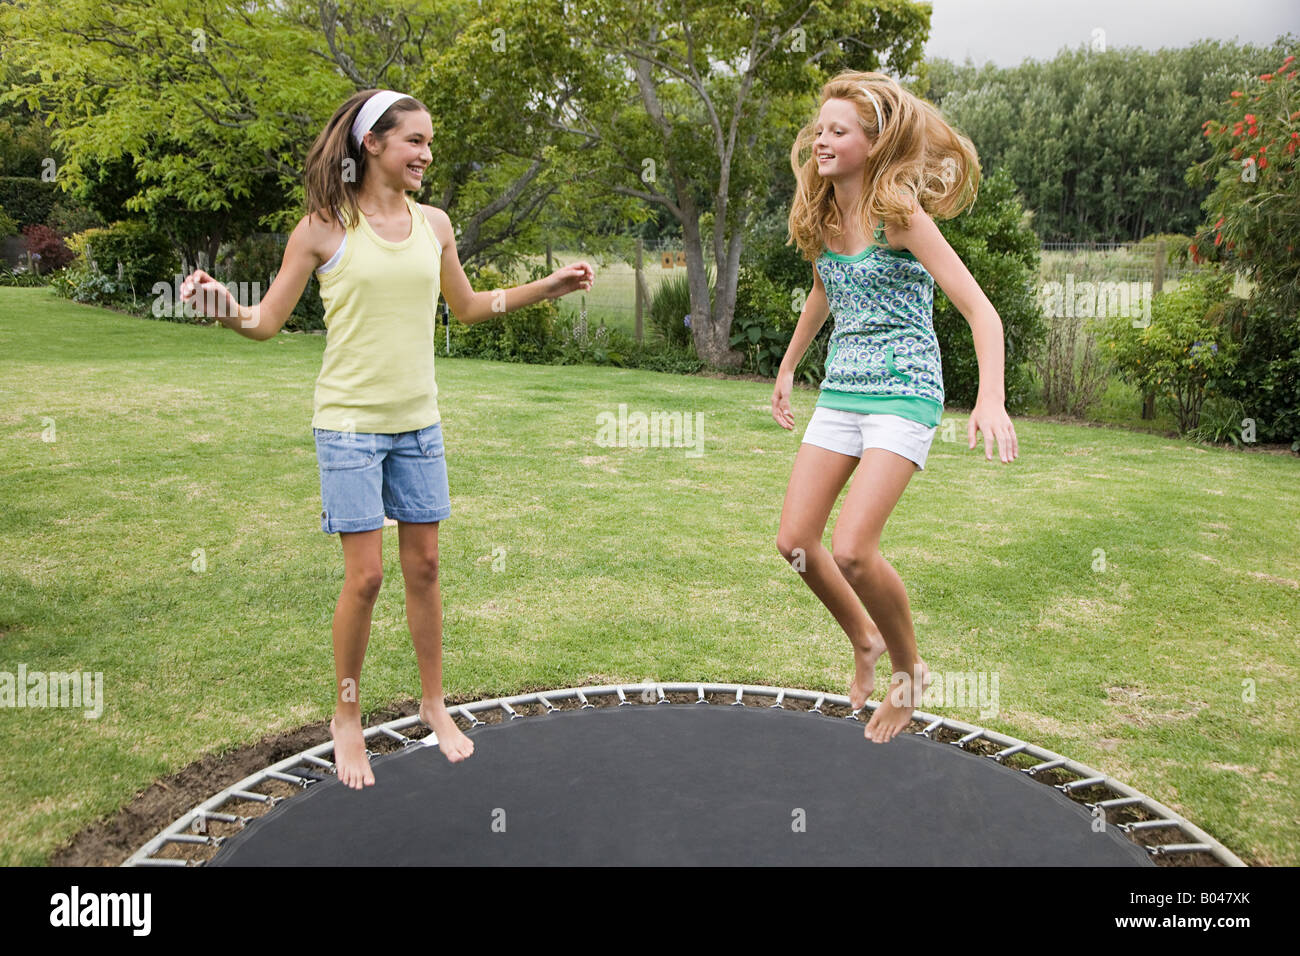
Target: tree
column 698, row 95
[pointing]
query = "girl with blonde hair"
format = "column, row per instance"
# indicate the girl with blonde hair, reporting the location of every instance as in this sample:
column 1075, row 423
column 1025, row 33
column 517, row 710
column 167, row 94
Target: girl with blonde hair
column 873, row 170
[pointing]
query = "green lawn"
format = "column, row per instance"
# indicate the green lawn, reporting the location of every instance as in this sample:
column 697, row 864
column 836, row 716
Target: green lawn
column 620, row 564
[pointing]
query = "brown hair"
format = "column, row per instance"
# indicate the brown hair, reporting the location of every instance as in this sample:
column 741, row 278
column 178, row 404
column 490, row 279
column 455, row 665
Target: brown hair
column 328, row 189
column 918, row 158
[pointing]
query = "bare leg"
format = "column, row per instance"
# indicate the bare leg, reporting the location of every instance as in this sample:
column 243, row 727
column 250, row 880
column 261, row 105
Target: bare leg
column 418, row 546
column 363, row 575
column 855, row 544
column 815, row 483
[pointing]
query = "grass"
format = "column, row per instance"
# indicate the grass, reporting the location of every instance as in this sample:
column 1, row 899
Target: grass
column 172, row 439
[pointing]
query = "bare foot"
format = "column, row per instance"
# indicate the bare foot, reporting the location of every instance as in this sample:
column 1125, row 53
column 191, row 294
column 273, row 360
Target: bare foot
column 350, row 760
column 895, row 712
column 863, row 684
column 455, row 745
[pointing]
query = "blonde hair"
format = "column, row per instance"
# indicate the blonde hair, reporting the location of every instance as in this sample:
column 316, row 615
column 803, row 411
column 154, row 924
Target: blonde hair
column 328, row 190
column 918, row 159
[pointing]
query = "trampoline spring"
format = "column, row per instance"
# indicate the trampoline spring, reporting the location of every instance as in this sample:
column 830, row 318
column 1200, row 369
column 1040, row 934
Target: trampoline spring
column 468, row 715
column 622, row 698
column 1080, row 784
column 1118, row 802
column 154, row 861
column 1002, row 755
column 931, row 728
column 550, row 708
column 221, row 817
column 740, row 691
column 586, row 704
column 1147, row 825
column 323, row 764
column 780, row 696
column 699, row 694
column 1163, row 849
column 400, row 738
column 1047, row 765
column 189, row 838
column 663, row 699
column 249, row 795
column 970, row 737
column 509, row 710
column 816, row 708
column 303, row 782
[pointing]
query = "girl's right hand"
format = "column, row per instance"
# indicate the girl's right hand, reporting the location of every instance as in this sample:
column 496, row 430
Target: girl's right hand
column 210, row 297
column 781, row 410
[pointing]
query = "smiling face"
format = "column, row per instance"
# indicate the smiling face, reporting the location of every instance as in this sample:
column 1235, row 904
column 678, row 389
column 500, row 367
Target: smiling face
column 841, row 146
column 405, row 152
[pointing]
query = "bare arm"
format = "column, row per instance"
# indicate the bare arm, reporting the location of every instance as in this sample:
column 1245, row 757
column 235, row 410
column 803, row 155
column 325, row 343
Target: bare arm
column 811, row 319
column 924, row 240
column 264, row 319
column 469, row 306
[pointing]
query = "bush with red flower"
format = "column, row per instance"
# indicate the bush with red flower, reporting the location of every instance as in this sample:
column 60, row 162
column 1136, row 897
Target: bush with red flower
column 47, row 249
column 1252, row 228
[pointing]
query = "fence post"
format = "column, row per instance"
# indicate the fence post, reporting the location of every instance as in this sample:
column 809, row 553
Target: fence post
column 638, row 289
column 1157, row 283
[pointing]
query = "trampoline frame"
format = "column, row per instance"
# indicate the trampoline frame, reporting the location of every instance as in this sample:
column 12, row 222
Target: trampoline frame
column 182, row 830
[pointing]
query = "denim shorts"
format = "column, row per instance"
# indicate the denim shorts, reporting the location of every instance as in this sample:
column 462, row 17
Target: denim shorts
column 850, row 433
column 366, row 475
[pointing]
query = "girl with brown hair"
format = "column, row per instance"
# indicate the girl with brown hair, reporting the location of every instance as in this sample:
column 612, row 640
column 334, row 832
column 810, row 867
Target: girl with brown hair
column 381, row 259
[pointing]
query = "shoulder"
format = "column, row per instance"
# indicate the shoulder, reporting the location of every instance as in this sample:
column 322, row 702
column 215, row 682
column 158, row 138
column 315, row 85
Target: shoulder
column 321, row 235
column 440, row 222
column 919, row 223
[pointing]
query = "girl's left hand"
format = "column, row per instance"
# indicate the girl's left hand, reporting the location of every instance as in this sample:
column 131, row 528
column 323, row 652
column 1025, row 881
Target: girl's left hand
column 570, row 279
column 991, row 418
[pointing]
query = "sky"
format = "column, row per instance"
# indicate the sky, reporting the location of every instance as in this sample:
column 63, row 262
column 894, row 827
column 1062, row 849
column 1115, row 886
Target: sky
column 1009, row 31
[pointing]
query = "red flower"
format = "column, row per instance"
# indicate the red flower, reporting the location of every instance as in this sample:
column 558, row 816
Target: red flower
column 1253, row 131
column 1196, row 256
column 1218, row 238
column 1236, row 130
column 1263, row 163
column 1285, row 64
column 1266, row 77
column 1250, row 118
column 1236, row 92
column 1219, row 223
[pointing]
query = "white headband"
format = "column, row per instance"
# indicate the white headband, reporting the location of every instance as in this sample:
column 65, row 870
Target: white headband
column 880, row 119
column 374, row 108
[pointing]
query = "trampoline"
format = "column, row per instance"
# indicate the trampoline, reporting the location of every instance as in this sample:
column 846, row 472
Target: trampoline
column 684, row 774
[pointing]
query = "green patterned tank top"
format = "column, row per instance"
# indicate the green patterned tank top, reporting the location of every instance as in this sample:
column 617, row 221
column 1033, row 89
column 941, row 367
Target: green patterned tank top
column 883, row 355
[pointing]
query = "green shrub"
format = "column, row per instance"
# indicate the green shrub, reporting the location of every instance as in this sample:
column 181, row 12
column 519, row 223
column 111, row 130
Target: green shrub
column 1186, row 347
column 130, row 252
column 28, row 199
column 10, row 278
column 1266, row 377
column 524, row 335
column 8, row 227
column 670, row 306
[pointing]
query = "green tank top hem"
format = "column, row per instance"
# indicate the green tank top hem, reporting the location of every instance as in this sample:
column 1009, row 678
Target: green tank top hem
column 917, row 409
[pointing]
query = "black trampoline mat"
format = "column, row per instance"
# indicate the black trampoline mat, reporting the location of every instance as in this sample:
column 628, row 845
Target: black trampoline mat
column 683, row 784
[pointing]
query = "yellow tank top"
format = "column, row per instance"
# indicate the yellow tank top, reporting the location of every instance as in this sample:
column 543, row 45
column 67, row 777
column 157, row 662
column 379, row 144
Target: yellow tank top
column 380, row 316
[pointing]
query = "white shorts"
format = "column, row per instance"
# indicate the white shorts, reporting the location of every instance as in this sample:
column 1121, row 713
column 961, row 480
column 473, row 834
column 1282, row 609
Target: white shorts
column 850, row 432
